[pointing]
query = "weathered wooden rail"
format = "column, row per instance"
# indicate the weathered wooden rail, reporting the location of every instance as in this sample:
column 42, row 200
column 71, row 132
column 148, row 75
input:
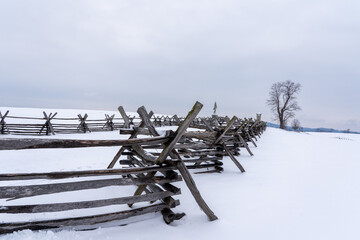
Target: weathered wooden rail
column 152, row 163
column 51, row 124
column 199, row 149
column 163, row 196
column 153, row 181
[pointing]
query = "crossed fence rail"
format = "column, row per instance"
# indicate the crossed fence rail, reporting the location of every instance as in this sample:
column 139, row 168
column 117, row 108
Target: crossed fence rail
column 141, row 165
column 51, row 124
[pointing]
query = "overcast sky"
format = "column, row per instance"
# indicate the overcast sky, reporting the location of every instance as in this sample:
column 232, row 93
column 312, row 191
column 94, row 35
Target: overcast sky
column 168, row 54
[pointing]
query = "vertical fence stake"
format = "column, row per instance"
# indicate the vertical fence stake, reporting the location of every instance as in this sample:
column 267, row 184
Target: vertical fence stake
column 48, row 125
column 82, row 125
column 3, row 123
column 124, row 116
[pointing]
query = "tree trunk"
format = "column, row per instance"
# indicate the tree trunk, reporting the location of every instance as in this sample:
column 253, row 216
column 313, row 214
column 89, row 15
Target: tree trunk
column 282, row 122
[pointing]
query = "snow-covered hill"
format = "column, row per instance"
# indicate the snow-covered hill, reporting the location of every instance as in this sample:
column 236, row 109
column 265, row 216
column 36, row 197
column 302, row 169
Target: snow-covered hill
column 297, row 186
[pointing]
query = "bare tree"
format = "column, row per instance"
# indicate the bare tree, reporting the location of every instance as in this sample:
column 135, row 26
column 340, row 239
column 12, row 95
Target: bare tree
column 282, row 100
column 295, row 124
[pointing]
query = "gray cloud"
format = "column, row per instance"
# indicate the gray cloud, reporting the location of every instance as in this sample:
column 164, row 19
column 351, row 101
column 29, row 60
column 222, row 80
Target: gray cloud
column 168, row 54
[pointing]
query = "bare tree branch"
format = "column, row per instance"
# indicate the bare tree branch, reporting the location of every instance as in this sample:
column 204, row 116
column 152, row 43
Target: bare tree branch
column 282, row 101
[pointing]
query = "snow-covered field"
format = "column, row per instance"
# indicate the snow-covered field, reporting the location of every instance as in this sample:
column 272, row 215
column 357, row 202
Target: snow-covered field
column 297, row 186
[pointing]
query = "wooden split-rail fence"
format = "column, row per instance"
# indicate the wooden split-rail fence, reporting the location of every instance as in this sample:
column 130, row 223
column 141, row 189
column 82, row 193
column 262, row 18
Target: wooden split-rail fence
column 198, row 149
column 51, row 123
column 142, row 165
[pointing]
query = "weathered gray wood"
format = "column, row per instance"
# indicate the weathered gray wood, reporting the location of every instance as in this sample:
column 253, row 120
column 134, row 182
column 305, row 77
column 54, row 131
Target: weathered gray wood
column 153, row 187
column 34, row 190
column 124, row 116
column 55, row 207
column 138, row 130
column 109, row 122
column 226, row 119
column 44, row 126
column 168, row 173
column 83, row 125
column 146, row 120
column 250, row 138
column 171, row 188
column 232, row 157
column 209, row 165
column 199, row 160
column 3, row 123
column 86, row 173
column 251, row 130
column 48, row 125
column 207, row 125
column 179, row 132
column 148, row 157
column 2, row 117
column 169, row 216
column 194, row 146
column 203, row 159
column 228, row 126
column 242, row 124
column 189, row 146
column 194, row 191
column 216, row 170
column 254, row 127
column 203, row 135
column 171, row 202
column 122, row 149
column 244, row 143
column 168, row 200
column 29, row 143
column 176, row 118
column 215, row 119
column 205, row 154
column 142, row 187
column 79, row 221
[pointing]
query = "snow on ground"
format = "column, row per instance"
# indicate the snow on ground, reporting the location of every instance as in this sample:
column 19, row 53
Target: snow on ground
column 297, row 186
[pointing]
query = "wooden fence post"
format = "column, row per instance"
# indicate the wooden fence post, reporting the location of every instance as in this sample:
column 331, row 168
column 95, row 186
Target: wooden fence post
column 122, row 149
column 247, row 132
column 169, row 150
column 109, row 122
column 124, row 116
column 48, row 125
column 232, row 157
column 3, row 123
column 82, row 125
column 194, row 191
column 181, row 166
column 215, row 120
column 176, row 119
